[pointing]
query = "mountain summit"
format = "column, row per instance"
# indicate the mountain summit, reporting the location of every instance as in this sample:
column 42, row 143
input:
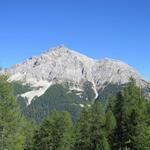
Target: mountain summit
column 60, row 64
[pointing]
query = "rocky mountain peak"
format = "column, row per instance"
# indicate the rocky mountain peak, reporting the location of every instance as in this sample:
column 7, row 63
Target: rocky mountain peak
column 60, row 64
column 59, row 49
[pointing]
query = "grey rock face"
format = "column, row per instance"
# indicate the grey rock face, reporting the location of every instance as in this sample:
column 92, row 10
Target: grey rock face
column 61, row 64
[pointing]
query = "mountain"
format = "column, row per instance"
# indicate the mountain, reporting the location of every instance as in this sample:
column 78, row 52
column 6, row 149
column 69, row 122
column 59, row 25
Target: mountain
column 71, row 73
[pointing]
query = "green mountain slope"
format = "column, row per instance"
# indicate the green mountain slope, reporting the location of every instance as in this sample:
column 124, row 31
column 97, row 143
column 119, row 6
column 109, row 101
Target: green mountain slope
column 62, row 97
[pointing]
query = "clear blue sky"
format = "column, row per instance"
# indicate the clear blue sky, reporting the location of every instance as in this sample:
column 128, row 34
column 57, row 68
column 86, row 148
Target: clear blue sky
column 118, row 29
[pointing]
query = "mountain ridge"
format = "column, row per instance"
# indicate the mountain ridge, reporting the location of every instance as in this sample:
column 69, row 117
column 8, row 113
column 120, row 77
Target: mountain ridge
column 60, row 64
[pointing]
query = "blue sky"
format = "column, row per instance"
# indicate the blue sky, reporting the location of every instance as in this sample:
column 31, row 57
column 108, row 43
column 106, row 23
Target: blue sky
column 118, row 29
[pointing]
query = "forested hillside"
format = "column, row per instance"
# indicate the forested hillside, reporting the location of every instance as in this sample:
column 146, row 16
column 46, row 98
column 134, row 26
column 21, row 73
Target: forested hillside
column 123, row 125
column 57, row 96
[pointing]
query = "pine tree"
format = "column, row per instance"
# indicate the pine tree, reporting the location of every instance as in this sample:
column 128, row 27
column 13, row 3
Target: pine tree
column 90, row 129
column 82, row 137
column 119, row 136
column 55, row 133
column 110, row 123
column 11, row 121
column 130, row 111
column 29, row 130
